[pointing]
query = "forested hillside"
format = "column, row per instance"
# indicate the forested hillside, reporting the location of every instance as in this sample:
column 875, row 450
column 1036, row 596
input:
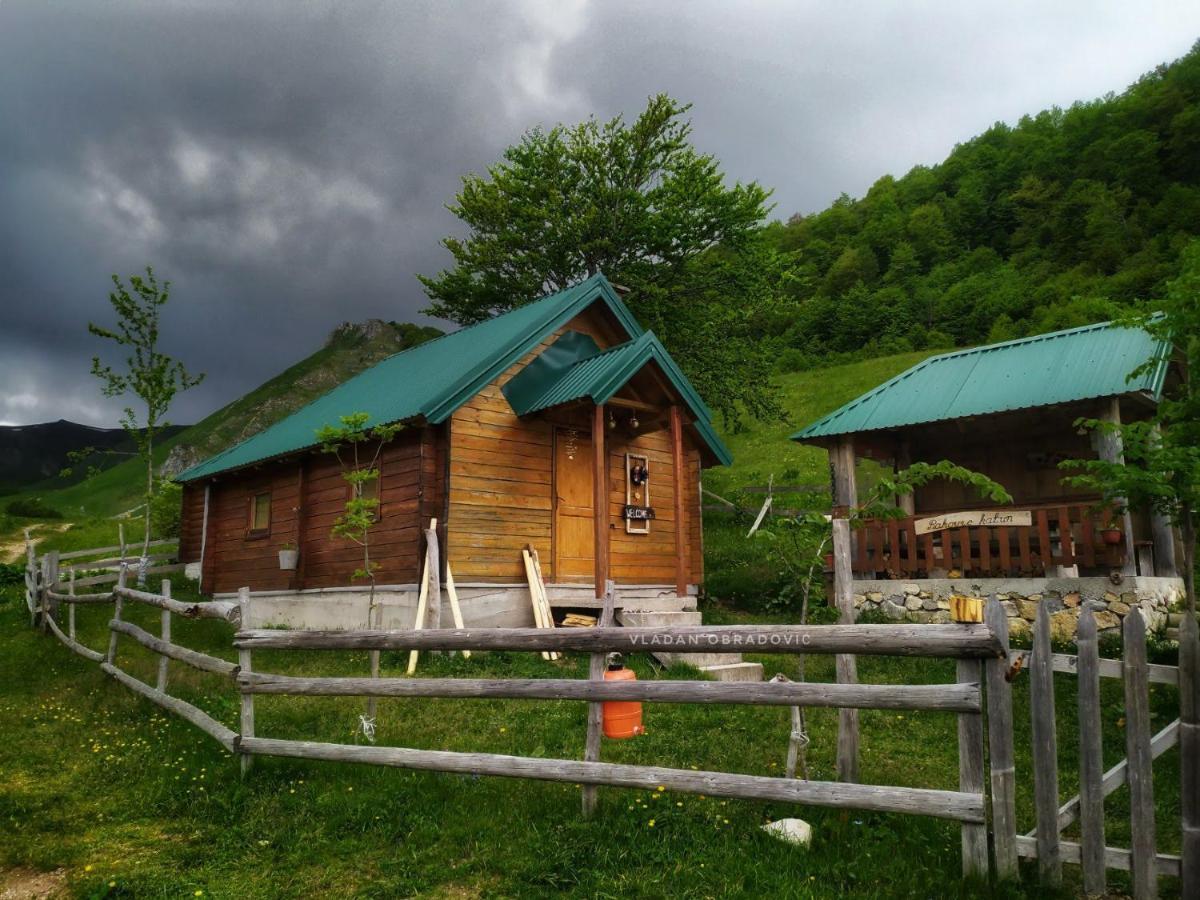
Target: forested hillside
column 1057, row 221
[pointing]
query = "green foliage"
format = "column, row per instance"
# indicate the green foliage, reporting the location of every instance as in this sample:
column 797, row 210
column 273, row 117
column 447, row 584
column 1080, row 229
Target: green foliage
column 1066, row 218
column 32, row 508
column 149, row 375
column 166, row 510
column 880, row 502
column 638, row 202
column 11, row 573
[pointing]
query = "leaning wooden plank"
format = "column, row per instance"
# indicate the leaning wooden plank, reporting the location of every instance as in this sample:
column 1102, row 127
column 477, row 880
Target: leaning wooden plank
column 1109, row 668
column 970, row 773
column 1143, row 871
column 1189, row 752
column 534, row 601
column 198, row 717
column 97, row 551
column 950, row 641
column 211, row 609
column 543, row 600
column 193, row 658
column 73, row 645
column 1000, row 748
column 595, row 712
column 1045, row 752
column 961, row 698
column 455, row 609
column 918, row 801
column 1114, row 857
column 1091, row 759
column 115, row 561
column 419, row 622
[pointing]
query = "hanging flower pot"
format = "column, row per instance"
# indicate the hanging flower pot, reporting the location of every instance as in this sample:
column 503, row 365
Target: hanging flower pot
column 289, row 556
column 1112, row 536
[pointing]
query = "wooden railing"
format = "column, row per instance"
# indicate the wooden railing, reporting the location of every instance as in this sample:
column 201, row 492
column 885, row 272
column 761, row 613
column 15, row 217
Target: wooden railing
column 1061, row 535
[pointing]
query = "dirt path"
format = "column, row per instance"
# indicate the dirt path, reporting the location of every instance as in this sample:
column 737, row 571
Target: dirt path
column 26, row 884
column 12, row 547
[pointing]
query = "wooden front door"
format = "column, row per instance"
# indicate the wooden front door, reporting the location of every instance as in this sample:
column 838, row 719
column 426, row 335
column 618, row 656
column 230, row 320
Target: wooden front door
column 574, row 530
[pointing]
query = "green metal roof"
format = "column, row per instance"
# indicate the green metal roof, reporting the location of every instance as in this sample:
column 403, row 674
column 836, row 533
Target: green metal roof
column 429, row 381
column 1060, row 367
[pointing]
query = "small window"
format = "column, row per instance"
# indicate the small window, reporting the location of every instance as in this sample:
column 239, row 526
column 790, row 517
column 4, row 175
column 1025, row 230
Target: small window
column 369, row 490
column 260, row 513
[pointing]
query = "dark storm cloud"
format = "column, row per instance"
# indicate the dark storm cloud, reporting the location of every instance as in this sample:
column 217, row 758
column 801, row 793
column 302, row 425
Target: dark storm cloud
column 287, row 164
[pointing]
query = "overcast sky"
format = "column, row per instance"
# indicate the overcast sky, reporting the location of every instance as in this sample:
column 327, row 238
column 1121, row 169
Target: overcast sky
column 287, row 164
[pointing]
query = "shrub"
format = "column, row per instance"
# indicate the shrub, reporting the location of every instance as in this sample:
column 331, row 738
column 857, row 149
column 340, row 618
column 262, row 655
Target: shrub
column 32, row 508
column 166, row 510
column 11, row 573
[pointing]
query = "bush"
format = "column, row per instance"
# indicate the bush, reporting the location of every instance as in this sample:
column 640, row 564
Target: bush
column 11, row 573
column 32, row 508
column 165, row 510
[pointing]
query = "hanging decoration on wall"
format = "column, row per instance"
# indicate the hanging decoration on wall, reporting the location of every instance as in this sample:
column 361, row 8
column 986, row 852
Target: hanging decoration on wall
column 572, row 443
column 638, row 512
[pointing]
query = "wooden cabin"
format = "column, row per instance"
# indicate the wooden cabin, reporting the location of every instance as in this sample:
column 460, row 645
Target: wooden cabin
column 562, row 425
column 1009, row 411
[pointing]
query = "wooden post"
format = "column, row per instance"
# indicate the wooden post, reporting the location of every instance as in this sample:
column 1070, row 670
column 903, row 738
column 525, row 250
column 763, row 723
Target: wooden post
column 203, row 535
column 49, row 604
column 71, row 607
column 1091, row 761
column 118, row 603
column 1111, row 448
column 1045, row 752
column 165, row 632
column 1000, row 747
column 435, row 577
column 32, row 600
column 600, row 500
column 121, row 539
column 970, row 774
column 679, row 463
column 845, row 496
column 1189, row 752
column 595, row 711
column 245, row 665
column 1143, row 866
column 906, row 502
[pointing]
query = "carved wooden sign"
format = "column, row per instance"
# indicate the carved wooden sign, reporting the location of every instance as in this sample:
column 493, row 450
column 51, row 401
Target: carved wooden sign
column 992, row 518
column 638, row 513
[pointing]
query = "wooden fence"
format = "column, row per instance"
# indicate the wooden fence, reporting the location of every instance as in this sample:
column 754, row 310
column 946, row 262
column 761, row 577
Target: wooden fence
column 1062, row 535
column 985, row 670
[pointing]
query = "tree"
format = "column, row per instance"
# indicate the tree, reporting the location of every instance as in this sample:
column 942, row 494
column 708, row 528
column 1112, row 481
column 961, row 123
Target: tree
column 153, row 377
column 1160, row 471
column 639, row 203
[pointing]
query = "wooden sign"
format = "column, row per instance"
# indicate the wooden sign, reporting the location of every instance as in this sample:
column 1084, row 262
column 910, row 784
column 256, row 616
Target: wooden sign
column 992, row 518
column 638, row 513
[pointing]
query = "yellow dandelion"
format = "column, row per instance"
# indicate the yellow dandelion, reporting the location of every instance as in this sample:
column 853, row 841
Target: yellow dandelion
column 651, row 823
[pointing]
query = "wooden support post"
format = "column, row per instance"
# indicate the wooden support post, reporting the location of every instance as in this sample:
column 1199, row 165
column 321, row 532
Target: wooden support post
column 845, row 497
column 49, row 604
column 32, row 600
column 203, row 535
column 970, row 774
column 118, row 603
column 1111, row 448
column 455, row 609
column 1045, row 752
column 600, row 500
column 1143, row 866
column 165, row 632
column 906, row 502
column 435, row 578
column 1091, row 758
column 245, row 665
column 679, row 465
column 1000, row 747
column 595, row 711
column 1189, row 752
column 71, row 607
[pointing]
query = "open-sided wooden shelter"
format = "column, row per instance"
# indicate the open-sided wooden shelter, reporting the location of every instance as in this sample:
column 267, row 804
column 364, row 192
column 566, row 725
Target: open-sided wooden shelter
column 562, row 424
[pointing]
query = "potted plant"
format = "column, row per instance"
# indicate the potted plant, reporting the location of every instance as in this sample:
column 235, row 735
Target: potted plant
column 1111, row 531
column 1112, row 535
column 288, row 556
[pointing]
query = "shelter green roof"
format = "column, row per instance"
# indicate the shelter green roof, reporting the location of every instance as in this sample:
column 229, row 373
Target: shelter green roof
column 1060, row 367
column 429, row 381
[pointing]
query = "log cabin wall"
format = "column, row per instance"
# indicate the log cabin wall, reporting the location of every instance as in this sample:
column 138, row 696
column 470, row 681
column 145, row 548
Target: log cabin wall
column 191, row 522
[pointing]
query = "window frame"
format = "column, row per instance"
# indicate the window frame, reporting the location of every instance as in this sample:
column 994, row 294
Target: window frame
column 378, row 482
column 251, row 508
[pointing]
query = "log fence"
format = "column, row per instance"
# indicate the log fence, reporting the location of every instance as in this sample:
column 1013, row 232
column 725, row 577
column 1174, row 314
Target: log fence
column 984, row 803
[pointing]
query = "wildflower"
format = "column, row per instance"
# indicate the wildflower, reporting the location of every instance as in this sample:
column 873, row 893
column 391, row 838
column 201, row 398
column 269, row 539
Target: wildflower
column 651, row 823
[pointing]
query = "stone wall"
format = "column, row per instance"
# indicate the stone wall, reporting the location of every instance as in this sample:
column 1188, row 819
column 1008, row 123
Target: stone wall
column 928, row 600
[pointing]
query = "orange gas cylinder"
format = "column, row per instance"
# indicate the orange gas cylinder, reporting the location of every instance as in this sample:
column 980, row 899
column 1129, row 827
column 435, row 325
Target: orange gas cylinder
column 622, row 718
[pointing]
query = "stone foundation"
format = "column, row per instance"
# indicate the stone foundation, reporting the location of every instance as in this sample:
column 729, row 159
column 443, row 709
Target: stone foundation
column 928, row 600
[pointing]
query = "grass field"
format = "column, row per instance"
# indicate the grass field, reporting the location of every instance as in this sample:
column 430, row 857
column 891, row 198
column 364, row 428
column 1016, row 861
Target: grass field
column 120, row 799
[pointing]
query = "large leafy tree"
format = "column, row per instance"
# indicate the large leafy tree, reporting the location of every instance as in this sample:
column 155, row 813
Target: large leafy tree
column 638, row 202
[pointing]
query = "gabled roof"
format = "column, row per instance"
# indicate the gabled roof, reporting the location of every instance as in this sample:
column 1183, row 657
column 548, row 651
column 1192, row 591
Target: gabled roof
column 1061, row 367
column 427, row 382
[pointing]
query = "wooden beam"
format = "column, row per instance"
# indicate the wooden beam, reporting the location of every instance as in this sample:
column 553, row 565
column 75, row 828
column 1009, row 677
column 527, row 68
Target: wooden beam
column 679, row 464
column 600, row 499
column 1111, row 449
column 639, row 405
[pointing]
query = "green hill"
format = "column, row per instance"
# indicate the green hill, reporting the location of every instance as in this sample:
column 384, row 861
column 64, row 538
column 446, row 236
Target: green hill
column 349, row 349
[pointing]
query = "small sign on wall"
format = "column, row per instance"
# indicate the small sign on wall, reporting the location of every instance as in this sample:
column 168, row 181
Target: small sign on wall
column 992, row 518
column 637, row 512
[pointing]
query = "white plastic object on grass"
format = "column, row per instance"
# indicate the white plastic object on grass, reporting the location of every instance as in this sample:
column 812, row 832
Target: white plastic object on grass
column 794, row 831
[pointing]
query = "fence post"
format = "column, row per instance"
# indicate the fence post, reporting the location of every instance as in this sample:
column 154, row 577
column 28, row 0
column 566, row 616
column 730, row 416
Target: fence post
column 244, row 664
column 1091, row 758
column 595, row 711
column 1000, row 747
column 118, row 602
column 1189, row 751
column 846, row 664
column 1045, row 752
column 970, row 773
column 1143, row 865
column 165, row 625
column 71, row 606
column 49, row 604
column 31, row 575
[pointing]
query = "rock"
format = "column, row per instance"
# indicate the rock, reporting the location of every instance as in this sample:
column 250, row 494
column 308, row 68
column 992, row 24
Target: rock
column 859, row 599
column 911, row 602
column 1035, row 597
column 1121, row 609
column 941, row 617
column 1027, row 609
column 1129, row 597
column 943, row 603
column 1019, row 629
column 794, row 831
column 1071, row 601
column 911, row 589
column 1110, row 597
column 1052, row 602
column 1063, row 624
column 875, row 596
column 1010, row 608
column 892, row 610
column 180, row 458
column 929, row 603
column 925, row 595
column 1106, row 620
column 920, row 616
